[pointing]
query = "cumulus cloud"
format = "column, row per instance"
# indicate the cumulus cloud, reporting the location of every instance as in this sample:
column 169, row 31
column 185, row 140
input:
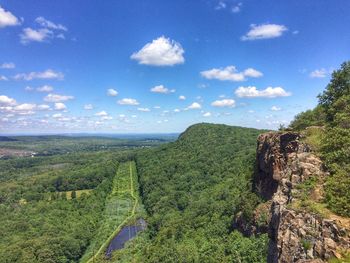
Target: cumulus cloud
column 319, row 73
column 161, row 89
column 223, row 103
column 220, row 5
column 31, row 35
column 206, row 114
column 48, row 24
column 230, row 73
column 47, row 74
column 25, row 107
column 194, row 106
column 182, row 97
column 43, row 107
column 8, row 65
column 253, row 92
column 3, row 78
column 7, row 18
column 57, row 98
column 160, row 52
column 60, row 106
column 112, row 92
column 45, row 88
column 177, row 110
column 275, row 108
column 88, row 107
column 101, row 113
column 143, row 109
column 4, row 100
column 57, row 115
column 264, row 31
column 128, row 101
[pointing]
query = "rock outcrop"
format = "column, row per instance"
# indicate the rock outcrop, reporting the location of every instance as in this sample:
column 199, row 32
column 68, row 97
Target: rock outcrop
column 296, row 234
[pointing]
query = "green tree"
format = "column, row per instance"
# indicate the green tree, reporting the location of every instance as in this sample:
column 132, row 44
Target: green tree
column 74, row 194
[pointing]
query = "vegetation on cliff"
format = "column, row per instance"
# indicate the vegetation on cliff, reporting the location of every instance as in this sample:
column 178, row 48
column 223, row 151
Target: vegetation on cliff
column 333, row 112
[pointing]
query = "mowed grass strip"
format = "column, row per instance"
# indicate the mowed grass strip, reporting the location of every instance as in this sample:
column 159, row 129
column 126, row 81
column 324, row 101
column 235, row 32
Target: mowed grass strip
column 118, row 208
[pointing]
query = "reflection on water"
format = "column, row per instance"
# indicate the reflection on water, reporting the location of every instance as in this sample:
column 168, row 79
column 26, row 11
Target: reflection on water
column 124, row 235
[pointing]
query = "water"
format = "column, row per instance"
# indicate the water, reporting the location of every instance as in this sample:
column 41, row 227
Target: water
column 124, row 235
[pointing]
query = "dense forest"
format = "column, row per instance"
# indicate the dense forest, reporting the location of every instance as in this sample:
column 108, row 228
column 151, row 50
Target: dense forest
column 332, row 139
column 192, row 189
column 52, row 206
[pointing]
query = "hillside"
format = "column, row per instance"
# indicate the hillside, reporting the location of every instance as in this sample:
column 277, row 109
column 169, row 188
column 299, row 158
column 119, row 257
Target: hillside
column 192, row 189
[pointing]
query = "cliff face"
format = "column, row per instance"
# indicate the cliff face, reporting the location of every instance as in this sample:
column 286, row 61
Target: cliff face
column 297, row 233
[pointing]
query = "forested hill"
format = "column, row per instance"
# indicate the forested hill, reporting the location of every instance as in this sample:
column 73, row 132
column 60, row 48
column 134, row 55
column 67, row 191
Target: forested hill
column 192, row 188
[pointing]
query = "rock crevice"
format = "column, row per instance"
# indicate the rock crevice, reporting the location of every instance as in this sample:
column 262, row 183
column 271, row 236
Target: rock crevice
column 296, row 235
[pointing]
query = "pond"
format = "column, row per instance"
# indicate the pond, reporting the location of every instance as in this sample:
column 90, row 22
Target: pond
column 124, row 235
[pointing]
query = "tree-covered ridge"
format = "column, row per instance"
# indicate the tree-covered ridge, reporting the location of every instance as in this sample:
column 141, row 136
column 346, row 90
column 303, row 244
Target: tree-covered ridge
column 192, row 189
column 333, row 112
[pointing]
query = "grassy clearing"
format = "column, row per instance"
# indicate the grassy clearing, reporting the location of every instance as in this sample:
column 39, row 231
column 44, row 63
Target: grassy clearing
column 313, row 136
column 121, row 206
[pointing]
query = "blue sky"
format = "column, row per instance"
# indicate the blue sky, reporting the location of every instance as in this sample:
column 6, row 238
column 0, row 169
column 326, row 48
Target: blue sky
column 160, row 66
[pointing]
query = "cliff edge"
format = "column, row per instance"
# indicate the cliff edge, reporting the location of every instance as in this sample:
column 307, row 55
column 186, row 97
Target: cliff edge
column 290, row 178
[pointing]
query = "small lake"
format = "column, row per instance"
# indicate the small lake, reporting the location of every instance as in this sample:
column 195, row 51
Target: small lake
column 124, row 235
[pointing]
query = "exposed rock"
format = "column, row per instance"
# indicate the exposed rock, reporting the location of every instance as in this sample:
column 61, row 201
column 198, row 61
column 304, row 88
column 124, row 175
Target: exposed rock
column 296, row 235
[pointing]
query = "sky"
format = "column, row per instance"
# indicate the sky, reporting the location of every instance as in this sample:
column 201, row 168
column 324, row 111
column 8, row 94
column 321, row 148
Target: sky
column 160, row 66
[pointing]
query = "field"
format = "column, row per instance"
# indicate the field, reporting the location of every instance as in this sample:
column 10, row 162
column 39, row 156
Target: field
column 121, row 207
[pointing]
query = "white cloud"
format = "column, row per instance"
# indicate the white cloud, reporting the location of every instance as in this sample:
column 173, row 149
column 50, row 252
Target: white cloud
column 61, row 36
column 236, row 8
column 161, row 89
column 143, row 109
column 88, row 107
column 57, row 98
column 101, row 113
column 8, row 65
column 160, row 52
column 43, row 107
column 57, row 115
column 4, row 78
column 47, row 74
column 28, row 88
column 107, row 118
column 25, row 107
column 128, row 101
column 194, row 106
column 156, row 107
column 252, row 92
column 176, row 110
column 319, row 73
column 112, row 92
column 45, row 88
column 251, row 111
column 220, row 5
column 207, row 114
column 46, row 23
column 253, row 73
column 182, row 97
column 7, row 18
column 264, row 31
column 31, row 35
column 275, row 108
column 230, row 73
column 223, row 103
column 4, row 100
column 60, row 106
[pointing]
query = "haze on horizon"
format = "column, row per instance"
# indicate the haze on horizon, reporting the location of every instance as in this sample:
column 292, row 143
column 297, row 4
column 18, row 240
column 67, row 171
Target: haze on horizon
column 160, row 66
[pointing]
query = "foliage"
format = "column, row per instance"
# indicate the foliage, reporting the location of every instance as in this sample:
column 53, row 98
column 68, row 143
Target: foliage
column 334, row 142
column 192, row 189
column 315, row 117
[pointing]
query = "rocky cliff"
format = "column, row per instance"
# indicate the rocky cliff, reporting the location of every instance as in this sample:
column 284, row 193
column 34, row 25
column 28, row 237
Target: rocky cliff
column 290, row 178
